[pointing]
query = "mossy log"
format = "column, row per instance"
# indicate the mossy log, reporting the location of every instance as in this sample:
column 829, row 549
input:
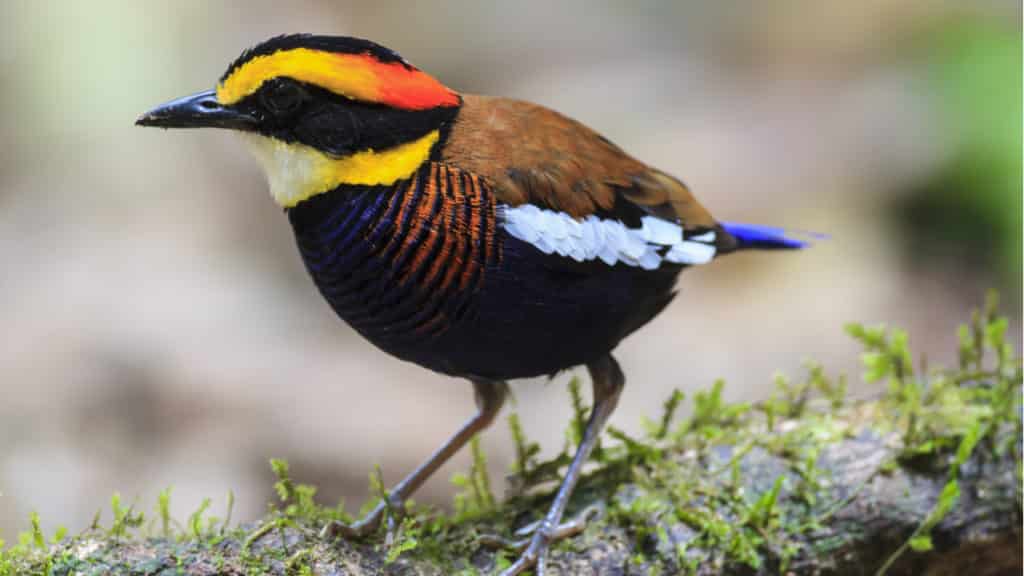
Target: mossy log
column 925, row 478
column 869, row 511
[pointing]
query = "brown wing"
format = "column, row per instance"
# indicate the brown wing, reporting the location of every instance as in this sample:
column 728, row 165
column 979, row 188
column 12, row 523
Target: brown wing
column 533, row 154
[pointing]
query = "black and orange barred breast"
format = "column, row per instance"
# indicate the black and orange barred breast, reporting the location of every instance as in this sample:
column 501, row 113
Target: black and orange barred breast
column 426, row 271
column 400, row 264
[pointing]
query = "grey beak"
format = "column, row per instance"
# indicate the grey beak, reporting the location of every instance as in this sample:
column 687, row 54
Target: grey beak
column 200, row 110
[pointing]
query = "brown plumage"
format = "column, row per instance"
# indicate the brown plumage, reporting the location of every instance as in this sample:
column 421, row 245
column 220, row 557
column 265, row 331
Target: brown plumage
column 533, row 154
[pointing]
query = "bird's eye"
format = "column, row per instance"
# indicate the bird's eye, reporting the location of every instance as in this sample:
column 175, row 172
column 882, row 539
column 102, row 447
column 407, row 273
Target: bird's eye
column 283, row 96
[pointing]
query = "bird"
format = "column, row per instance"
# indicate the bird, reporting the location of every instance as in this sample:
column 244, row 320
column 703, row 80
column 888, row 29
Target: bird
column 484, row 238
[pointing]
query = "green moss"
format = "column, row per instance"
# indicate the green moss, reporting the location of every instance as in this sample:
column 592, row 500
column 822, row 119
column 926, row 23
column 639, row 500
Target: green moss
column 684, row 490
column 474, row 498
column 526, row 451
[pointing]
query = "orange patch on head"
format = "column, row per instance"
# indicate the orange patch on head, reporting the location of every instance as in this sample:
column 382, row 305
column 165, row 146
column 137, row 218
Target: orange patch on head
column 400, row 87
column 356, row 76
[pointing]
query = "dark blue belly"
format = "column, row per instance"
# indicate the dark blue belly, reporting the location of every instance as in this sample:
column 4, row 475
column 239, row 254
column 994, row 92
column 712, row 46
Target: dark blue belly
column 538, row 313
column 460, row 296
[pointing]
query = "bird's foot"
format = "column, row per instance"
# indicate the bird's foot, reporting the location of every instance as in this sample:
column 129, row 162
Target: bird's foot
column 534, row 539
column 391, row 510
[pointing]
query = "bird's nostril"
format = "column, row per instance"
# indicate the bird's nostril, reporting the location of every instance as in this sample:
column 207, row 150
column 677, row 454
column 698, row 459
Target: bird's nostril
column 209, row 104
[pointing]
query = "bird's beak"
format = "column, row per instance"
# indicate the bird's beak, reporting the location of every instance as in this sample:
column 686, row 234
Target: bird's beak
column 201, row 110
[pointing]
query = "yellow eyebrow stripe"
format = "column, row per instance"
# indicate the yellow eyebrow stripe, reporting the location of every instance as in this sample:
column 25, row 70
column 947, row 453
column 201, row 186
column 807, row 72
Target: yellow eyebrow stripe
column 356, row 76
column 345, row 76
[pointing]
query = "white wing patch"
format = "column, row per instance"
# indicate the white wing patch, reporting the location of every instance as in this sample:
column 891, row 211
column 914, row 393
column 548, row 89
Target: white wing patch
column 592, row 238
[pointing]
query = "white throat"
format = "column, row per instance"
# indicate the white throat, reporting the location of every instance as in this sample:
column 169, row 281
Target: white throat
column 292, row 170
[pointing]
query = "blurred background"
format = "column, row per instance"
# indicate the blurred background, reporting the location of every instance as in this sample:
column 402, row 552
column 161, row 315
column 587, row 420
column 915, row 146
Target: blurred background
column 158, row 328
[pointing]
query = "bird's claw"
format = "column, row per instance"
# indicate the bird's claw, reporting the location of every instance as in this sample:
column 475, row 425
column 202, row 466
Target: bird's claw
column 533, row 549
column 350, row 531
column 535, row 552
column 368, row 524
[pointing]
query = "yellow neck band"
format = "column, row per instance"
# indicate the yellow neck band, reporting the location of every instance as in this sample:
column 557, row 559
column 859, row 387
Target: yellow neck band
column 297, row 172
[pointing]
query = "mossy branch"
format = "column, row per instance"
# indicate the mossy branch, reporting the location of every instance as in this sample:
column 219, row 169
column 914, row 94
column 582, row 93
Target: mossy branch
column 925, row 478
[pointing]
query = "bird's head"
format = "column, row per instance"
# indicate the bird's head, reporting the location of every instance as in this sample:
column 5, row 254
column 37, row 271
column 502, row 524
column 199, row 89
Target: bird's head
column 320, row 112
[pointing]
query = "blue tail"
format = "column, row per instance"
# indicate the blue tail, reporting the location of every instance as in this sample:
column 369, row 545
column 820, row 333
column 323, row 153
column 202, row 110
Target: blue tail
column 752, row 236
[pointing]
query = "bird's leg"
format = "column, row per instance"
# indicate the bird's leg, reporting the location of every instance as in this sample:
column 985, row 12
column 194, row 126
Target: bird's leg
column 490, row 395
column 607, row 381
